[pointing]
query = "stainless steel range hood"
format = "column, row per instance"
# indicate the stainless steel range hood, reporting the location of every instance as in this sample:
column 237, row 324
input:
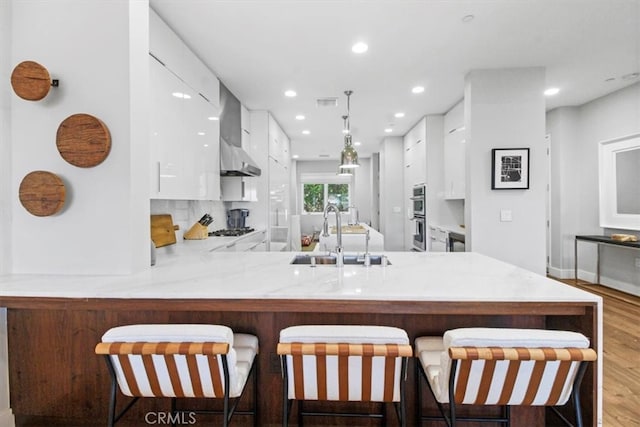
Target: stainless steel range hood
column 234, row 161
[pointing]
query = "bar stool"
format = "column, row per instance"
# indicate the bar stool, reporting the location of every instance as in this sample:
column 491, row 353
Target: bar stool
column 180, row 361
column 344, row 363
column 502, row 366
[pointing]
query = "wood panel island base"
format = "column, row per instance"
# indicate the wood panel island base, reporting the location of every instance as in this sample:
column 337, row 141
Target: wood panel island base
column 54, row 322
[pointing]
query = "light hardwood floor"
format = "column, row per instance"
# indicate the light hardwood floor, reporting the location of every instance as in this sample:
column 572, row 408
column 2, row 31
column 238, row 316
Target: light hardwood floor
column 621, row 400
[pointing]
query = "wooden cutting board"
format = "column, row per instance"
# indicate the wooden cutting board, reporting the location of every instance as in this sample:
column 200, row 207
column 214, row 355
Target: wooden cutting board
column 162, row 230
column 83, row 140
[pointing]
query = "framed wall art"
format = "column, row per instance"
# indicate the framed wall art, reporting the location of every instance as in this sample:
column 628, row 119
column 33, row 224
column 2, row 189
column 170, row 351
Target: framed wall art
column 510, row 169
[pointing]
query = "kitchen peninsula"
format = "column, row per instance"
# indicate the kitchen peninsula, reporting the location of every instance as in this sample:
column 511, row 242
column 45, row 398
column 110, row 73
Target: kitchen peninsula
column 424, row 293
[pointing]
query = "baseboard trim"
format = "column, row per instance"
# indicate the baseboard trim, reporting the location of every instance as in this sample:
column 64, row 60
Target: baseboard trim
column 6, row 418
column 590, row 277
column 560, row 273
column 628, row 288
column 569, row 273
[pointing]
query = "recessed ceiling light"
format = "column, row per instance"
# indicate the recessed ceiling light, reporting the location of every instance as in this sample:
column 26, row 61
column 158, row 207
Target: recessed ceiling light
column 290, row 93
column 306, row 132
column 418, row 89
column 359, row 47
column 206, row 145
column 399, row 115
column 201, row 133
column 468, row 18
column 357, row 143
column 213, row 118
column 388, row 130
column 551, row 91
column 295, row 156
column 300, row 117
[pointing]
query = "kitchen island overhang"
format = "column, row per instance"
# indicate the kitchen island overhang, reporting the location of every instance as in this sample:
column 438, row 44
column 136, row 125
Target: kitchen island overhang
column 423, row 293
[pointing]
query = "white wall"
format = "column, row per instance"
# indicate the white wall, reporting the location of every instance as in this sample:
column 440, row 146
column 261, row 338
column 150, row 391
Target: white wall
column 575, row 135
column 374, row 177
column 362, row 190
column 6, row 416
column 564, row 131
column 506, row 109
column 104, row 225
column 391, row 200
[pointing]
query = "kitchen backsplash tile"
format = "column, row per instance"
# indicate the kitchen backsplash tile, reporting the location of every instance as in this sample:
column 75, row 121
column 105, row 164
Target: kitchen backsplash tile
column 186, row 212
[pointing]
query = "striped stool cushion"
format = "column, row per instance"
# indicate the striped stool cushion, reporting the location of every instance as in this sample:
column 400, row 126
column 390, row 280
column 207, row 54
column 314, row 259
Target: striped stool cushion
column 178, row 360
column 499, row 366
column 344, row 363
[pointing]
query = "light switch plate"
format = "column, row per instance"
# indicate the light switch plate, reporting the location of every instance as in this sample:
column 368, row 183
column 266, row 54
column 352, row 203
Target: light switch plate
column 505, row 215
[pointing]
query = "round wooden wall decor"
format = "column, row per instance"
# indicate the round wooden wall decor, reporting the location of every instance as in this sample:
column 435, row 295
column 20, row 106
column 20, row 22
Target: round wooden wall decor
column 30, row 81
column 42, row 193
column 83, row 140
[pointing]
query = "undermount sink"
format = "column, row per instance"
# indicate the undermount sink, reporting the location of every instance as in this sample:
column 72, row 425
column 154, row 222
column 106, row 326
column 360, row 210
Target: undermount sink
column 331, row 259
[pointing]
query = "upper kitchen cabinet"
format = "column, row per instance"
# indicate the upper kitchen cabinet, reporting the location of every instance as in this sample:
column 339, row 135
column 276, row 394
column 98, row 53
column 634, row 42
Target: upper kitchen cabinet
column 415, row 154
column 454, row 153
column 184, row 142
column 185, row 150
column 167, row 47
column 278, row 143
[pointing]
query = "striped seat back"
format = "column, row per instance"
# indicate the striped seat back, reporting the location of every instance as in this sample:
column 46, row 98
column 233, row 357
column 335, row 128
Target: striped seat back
column 343, row 371
column 515, row 376
column 171, row 369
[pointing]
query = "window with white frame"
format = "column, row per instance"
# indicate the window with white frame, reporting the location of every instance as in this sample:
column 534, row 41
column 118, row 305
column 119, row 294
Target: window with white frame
column 318, row 190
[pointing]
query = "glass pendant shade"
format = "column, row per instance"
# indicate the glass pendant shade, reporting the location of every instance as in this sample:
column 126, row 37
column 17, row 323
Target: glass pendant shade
column 349, row 156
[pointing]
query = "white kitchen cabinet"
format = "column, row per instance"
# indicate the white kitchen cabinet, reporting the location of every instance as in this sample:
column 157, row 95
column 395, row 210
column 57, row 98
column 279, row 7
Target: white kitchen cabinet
column 454, row 153
column 437, row 239
column 278, row 204
column 252, row 242
column 238, row 189
column 279, row 187
column 185, row 154
column 278, row 142
column 174, row 54
column 415, row 172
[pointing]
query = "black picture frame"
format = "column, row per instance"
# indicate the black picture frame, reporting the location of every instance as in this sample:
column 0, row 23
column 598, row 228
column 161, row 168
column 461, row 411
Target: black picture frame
column 510, row 169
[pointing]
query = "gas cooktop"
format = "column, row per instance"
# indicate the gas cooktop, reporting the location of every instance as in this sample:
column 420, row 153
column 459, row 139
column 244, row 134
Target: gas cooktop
column 231, row 232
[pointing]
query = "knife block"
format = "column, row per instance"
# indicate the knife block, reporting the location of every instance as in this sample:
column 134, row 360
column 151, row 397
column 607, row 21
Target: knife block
column 197, row 232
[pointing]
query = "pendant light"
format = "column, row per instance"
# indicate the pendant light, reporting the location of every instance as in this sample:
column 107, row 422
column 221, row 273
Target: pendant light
column 349, row 156
column 344, row 171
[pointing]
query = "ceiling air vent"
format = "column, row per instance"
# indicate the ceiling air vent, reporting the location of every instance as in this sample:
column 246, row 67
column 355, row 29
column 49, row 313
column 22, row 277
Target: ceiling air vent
column 323, row 155
column 327, row 102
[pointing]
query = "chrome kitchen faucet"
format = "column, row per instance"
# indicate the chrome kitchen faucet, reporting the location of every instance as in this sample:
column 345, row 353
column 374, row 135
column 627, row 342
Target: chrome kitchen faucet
column 339, row 251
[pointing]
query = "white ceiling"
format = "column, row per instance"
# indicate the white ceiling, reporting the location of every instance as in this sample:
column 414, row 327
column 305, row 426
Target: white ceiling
column 260, row 48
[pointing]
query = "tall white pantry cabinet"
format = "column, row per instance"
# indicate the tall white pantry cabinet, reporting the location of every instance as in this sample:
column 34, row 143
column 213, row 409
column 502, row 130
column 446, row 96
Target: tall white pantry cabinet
column 184, row 131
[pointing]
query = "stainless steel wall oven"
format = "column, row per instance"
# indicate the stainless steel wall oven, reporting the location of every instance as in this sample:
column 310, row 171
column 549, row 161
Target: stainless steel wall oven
column 419, row 203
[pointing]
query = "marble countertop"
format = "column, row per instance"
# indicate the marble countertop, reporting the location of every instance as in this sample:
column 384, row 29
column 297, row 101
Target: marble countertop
column 192, row 272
